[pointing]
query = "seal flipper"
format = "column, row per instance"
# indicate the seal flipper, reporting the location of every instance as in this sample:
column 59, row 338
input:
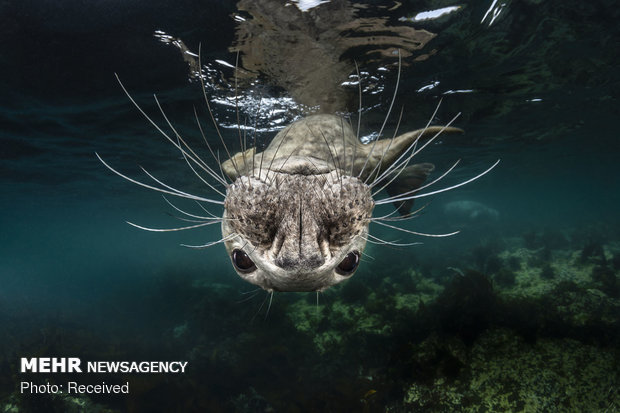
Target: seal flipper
column 411, row 178
column 387, row 151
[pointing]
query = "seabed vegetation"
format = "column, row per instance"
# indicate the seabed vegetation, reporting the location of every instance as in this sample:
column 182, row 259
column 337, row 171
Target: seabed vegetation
column 522, row 324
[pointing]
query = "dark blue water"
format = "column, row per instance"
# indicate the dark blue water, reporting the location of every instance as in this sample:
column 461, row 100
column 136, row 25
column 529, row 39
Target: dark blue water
column 518, row 312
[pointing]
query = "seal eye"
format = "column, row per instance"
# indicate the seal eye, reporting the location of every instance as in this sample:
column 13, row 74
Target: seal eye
column 242, row 261
column 349, row 264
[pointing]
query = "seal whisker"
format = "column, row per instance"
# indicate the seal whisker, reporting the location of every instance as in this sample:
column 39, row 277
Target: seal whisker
column 256, row 115
column 163, row 184
column 223, row 176
column 359, row 115
column 209, row 244
column 480, row 175
column 194, row 157
column 335, row 160
column 289, row 156
column 241, row 141
column 316, row 312
column 385, row 216
column 211, row 172
column 386, row 117
column 413, row 191
column 403, row 164
column 206, row 99
column 175, row 192
column 377, row 168
column 261, row 306
column 370, row 257
column 269, row 306
column 252, row 252
column 251, row 291
column 260, row 165
column 204, row 224
column 198, row 161
column 380, row 241
column 344, row 147
column 407, row 216
column 250, row 297
column 395, row 165
column 244, row 145
column 331, row 154
column 207, row 211
column 325, row 183
column 316, row 190
column 365, row 254
column 180, row 218
column 188, row 214
column 275, row 153
column 416, row 233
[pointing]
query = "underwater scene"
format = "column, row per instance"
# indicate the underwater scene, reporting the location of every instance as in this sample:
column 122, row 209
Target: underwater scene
column 449, row 241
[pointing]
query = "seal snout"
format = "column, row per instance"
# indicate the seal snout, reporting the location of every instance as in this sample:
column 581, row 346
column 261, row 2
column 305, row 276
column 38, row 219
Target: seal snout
column 291, row 263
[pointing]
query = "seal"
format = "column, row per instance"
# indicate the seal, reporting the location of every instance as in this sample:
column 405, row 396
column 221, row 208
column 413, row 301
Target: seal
column 297, row 214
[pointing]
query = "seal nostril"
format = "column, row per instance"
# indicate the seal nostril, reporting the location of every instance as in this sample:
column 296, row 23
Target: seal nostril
column 242, row 261
column 299, row 263
column 349, row 264
column 315, row 261
column 285, row 263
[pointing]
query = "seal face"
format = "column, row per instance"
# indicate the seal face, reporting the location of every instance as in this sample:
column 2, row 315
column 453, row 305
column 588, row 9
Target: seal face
column 300, row 232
